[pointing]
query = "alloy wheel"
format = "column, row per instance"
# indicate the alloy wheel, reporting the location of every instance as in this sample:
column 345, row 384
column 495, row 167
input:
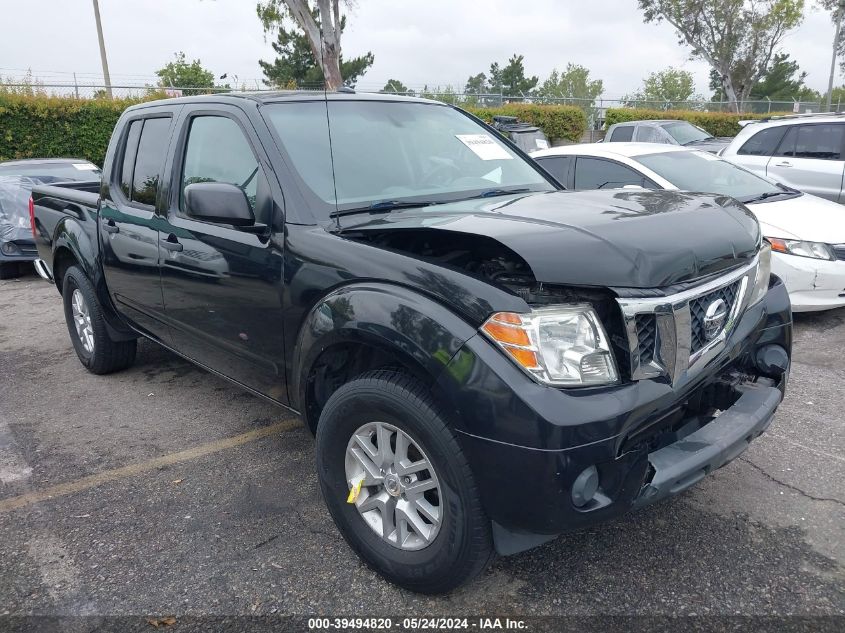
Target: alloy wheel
column 397, row 491
column 82, row 321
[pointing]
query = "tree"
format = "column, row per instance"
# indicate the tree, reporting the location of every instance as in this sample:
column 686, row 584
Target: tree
column 512, row 78
column 321, row 26
column 180, row 74
column 574, row 82
column 736, row 37
column 778, row 83
column 671, row 85
column 495, row 82
column 476, row 85
column 295, row 63
column 297, row 66
column 397, row 87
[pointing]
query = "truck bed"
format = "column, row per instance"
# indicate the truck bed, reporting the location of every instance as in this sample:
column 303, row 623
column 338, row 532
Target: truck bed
column 55, row 204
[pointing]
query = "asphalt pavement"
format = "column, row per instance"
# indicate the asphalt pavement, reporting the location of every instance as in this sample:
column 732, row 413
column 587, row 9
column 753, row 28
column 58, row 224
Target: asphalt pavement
column 166, row 490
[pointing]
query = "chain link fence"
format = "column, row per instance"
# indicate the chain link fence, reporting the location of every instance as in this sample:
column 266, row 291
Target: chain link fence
column 595, row 109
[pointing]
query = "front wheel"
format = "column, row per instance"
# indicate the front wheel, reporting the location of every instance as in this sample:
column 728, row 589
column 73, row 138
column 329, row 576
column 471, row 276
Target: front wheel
column 398, row 485
column 87, row 327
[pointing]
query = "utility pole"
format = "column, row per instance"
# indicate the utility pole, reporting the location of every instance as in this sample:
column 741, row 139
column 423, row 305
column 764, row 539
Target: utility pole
column 103, row 49
column 839, row 10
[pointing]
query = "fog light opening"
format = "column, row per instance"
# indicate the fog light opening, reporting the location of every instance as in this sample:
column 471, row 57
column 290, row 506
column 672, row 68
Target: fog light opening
column 585, row 487
column 772, row 360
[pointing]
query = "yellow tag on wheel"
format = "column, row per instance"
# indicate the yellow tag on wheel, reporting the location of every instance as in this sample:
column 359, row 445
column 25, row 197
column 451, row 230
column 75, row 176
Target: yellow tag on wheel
column 355, row 491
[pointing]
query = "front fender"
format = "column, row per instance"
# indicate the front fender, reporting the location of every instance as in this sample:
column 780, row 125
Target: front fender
column 392, row 318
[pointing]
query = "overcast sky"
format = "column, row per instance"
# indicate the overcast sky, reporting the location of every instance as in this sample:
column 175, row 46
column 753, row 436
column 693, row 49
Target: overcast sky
column 434, row 42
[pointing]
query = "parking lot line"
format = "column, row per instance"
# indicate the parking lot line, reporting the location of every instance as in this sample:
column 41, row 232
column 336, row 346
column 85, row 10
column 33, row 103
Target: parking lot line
column 72, row 487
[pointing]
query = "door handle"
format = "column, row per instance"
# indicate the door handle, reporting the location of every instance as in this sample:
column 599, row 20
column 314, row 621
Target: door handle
column 783, row 164
column 111, row 227
column 171, row 244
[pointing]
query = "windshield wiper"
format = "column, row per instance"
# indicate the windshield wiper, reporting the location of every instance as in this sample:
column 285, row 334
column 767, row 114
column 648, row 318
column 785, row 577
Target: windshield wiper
column 492, row 193
column 384, row 206
column 764, row 196
column 699, row 140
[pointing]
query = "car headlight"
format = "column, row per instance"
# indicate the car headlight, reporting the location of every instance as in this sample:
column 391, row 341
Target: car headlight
column 563, row 345
column 816, row 250
column 764, row 271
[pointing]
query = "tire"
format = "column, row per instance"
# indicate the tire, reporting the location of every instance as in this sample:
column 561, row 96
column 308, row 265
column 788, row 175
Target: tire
column 462, row 544
column 95, row 348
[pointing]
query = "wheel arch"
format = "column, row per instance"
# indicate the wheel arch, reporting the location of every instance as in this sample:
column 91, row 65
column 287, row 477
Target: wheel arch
column 362, row 327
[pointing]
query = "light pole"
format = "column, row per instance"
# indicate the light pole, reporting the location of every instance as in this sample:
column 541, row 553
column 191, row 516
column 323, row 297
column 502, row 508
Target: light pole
column 839, row 10
column 103, row 49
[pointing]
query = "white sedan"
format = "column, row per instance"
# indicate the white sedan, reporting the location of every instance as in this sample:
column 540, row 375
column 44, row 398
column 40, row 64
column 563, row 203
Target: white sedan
column 807, row 233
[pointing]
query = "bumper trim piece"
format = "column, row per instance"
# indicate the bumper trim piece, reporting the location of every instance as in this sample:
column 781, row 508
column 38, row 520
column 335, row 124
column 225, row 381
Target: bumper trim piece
column 682, row 464
column 42, row 270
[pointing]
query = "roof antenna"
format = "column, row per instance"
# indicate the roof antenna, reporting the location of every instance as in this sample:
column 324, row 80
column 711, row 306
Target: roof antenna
column 328, row 123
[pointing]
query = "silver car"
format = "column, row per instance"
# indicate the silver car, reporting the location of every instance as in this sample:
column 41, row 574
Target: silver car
column 667, row 132
column 802, row 151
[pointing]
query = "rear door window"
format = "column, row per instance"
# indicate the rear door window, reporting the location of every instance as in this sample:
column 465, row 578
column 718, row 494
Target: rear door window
column 622, row 133
column 129, row 152
column 150, row 160
column 764, row 142
column 598, row 173
column 648, row 134
column 557, row 166
column 822, row 141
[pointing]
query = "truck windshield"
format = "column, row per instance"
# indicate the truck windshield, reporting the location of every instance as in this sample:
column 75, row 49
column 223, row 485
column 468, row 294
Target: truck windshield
column 700, row 171
column 402, row 152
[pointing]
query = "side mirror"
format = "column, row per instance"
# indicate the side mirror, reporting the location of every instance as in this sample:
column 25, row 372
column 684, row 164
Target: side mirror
column 218, row 202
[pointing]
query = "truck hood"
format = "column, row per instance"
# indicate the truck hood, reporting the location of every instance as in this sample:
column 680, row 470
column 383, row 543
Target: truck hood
column 622, row 238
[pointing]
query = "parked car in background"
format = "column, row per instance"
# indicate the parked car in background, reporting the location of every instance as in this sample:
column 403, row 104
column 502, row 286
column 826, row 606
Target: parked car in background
column 667, row 132
column 17, row 248
column 807, row 233
column 486, row 361
column 800, row 151
column 525, row 136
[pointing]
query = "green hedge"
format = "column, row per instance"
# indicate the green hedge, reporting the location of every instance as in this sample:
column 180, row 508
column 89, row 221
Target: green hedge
column 717, row 123
column 40, row 126
column 558, row 122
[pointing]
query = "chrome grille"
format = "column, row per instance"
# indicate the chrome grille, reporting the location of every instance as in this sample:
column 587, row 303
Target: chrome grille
column 698, row 308
column 646, row 336
column 839, row 250
column 666, row 333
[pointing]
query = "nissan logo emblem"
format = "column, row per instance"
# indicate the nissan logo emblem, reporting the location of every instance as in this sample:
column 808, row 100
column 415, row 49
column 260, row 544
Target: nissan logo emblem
column 714, row 318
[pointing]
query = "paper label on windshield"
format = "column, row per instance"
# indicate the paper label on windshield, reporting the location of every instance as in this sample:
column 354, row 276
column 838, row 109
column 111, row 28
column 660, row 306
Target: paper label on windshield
column 483, row 146
column 84, row 166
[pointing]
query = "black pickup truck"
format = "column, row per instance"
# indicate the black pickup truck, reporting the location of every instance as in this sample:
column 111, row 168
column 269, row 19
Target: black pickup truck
column 486, row 361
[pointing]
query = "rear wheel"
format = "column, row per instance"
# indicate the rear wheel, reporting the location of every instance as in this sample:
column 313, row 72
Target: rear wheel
column 398, row 486
column 87, row 328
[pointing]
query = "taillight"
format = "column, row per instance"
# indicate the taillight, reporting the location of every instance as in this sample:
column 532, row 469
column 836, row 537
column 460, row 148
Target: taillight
column 32, row 216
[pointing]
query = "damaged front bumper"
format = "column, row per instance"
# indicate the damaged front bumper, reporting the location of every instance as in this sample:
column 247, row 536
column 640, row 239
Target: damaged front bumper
column 552, row 460
column 813, row 284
